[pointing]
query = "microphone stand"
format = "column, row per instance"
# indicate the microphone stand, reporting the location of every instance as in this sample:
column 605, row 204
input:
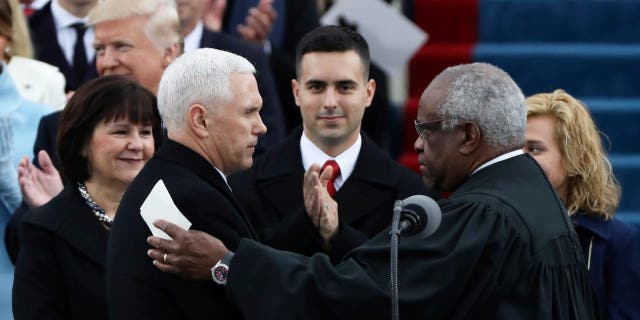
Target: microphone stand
column 395, row 233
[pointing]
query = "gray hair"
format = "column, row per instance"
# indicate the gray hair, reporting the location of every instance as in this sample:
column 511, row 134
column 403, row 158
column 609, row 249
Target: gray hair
column 487, row 96
column 163, row 24
column 201, row 77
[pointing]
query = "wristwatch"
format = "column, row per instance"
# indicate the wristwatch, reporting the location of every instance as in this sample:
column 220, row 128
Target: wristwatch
column 220, row 270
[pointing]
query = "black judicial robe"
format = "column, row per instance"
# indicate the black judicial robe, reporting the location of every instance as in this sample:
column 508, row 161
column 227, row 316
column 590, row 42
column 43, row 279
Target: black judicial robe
column 505, row 250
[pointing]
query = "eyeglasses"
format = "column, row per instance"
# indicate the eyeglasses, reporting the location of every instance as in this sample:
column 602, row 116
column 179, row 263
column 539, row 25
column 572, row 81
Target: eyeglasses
column 425, row 129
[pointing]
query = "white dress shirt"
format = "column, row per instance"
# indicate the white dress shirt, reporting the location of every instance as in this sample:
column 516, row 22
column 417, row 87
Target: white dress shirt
column 346, row 160
column 498, row 159
column 67, row 34
column 193, row 39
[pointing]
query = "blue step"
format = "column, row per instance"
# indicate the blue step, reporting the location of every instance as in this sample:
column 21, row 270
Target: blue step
column 582, row 69
column 619, row 120
column 611, row 21
column 627, row 170
column 630, row 217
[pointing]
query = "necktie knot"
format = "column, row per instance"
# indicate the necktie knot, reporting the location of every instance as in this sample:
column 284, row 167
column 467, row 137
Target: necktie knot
column 331, row 188
column 80, row 28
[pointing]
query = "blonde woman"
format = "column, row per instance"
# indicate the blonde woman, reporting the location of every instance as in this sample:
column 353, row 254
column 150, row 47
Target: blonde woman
column 565, row 141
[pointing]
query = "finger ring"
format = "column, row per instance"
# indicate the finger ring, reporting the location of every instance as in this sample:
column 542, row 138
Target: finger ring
column 326, row 206
column 164, row 258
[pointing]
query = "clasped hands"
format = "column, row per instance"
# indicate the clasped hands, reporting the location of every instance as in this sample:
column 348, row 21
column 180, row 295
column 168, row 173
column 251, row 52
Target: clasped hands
column 321, row 209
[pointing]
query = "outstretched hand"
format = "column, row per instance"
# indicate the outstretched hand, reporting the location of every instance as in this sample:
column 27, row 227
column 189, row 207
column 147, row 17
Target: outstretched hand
column 321, row 209
column 191, row 254
column 38, row 186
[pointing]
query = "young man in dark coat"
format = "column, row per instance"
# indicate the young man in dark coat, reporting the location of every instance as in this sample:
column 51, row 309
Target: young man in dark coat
column 332, row 91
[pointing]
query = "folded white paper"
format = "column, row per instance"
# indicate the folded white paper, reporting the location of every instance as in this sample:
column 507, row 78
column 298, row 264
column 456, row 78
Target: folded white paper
column 159, row 205
column 393, row 39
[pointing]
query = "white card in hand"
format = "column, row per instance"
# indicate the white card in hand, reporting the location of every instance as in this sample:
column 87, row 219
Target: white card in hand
column 159, row 205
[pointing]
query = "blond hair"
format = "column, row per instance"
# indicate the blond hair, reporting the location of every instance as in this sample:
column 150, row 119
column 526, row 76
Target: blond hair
column 163, row 24
column 592, row 187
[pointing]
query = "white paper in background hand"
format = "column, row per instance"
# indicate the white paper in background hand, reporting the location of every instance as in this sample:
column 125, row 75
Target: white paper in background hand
column 393, row 39
column 159, row 205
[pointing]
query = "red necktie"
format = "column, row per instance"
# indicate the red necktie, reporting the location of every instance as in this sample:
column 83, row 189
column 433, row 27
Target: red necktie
column 331, row 188
column 28, row 10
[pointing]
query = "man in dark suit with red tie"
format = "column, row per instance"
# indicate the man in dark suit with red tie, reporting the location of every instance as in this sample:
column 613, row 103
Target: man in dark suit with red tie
column 332, row 90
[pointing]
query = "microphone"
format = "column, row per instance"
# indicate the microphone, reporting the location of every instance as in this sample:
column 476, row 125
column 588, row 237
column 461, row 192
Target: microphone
column 414, row 215
column 419, row 214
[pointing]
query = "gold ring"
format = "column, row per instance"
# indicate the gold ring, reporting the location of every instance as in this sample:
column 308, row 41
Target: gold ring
column 164, row 258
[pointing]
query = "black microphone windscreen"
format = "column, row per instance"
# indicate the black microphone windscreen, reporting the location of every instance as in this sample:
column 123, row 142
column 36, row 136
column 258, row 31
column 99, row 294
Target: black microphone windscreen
column 425, row 206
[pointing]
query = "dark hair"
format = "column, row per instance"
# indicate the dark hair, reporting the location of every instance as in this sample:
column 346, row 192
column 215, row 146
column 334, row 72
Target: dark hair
column 6, row 19
column 102, row 99
column 333, row 39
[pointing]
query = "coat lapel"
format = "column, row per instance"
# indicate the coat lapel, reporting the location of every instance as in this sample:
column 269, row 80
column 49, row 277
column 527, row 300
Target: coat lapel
column 280, row 180
column 280, row 177
column 177, row 153
column 369, row 185
column 81, row 229
column 209, row 39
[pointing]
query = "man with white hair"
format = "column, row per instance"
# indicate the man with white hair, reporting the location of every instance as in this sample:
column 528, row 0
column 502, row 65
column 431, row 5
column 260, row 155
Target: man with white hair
column 210, row 104
column 196, row 35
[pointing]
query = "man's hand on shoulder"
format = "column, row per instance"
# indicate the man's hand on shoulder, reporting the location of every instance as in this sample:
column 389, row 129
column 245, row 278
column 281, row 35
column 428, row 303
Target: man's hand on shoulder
column 191, row 254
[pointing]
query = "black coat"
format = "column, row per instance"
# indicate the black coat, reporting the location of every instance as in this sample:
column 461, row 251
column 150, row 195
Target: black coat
column 505, row 250
column 271, row 112
column 60, row 273
column 271, row 193
column 138, row 290
column 45, row 42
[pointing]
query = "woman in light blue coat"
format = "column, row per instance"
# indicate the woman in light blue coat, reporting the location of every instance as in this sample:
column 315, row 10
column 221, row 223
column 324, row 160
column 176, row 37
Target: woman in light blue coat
column 20, row 119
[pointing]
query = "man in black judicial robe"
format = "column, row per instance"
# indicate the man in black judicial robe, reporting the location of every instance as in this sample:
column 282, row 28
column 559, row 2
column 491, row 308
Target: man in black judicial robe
column 505, row 248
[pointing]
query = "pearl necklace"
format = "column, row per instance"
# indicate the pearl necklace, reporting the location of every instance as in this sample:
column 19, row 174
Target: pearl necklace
column 97, row 209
